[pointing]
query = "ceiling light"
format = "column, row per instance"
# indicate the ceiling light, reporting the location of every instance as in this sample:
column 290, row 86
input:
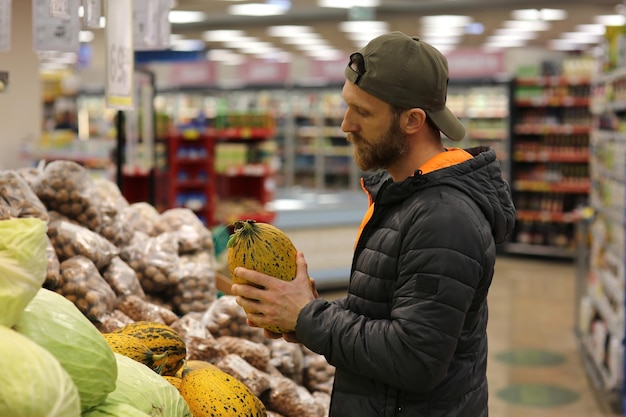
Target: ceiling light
column 85, row 36
column 187, row 45
column 326, row 54
column 446, row 19
column 185, row 16
column 222, row 35
column 539, row 14
column 513, row 34
column 442, row 31
column 582, row 37
column 611, row 19
column 363, row 25
column 348, row 4
column 288, row 30
column 304, row 41
column 596, row 29
column 504, row 43
column 563, row 45
column 534, row 25
column 258, row 9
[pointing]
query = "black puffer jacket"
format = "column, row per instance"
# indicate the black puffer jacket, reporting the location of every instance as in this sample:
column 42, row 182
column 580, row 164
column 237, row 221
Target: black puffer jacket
column 410, row 337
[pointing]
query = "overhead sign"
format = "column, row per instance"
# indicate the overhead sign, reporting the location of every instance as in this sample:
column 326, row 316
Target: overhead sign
column 52, row 33
column 475, row 63
column 259, row 72
column 152, row 27
column 120, row 61
column 5, row 25
column 92, row 12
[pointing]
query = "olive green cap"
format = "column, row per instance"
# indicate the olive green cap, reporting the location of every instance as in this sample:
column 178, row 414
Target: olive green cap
column 408, row 73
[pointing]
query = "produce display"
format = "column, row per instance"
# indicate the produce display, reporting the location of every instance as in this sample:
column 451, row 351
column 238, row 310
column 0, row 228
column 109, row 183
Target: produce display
column 111, row 309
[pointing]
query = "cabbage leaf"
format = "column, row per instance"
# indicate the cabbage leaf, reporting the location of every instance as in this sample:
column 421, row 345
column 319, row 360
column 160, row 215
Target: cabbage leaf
column 112, row 409
column 146, row 390
column 23, row 264
column 55, row 323
column 33, row 382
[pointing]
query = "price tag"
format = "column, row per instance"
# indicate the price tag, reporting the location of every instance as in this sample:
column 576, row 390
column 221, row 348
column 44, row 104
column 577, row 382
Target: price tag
column 55, row 34
column 5, row 25
column 151, row 29
column 60, row 9
column 92, row 13
column 120, row 59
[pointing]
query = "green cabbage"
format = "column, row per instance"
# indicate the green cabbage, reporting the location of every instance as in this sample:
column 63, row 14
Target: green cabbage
column 23, row 264
column 111, row 409
column 146, row 390
column 32, row 382
column 55, row 323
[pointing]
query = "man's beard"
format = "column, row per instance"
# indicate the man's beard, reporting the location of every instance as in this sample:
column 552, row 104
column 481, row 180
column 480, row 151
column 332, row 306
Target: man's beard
column 382, row 153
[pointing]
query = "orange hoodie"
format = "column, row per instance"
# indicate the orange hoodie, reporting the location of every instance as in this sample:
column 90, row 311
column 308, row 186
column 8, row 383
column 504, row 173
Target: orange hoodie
column 441, row 160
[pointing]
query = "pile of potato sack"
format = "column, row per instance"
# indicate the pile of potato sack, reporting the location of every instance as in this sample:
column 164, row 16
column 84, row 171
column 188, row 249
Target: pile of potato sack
column 120, row 263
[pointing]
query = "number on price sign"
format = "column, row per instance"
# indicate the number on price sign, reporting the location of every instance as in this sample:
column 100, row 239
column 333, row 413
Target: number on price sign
column 119, row 68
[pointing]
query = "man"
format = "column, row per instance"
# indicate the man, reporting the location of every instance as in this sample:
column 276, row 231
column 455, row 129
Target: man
column 409, row 339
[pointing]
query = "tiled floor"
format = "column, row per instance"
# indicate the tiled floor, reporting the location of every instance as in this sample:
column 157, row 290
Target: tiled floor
column 532, row 317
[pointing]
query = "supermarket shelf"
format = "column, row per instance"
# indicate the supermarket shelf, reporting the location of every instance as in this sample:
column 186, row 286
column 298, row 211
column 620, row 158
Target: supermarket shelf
column 539, row 250
column 609, row 398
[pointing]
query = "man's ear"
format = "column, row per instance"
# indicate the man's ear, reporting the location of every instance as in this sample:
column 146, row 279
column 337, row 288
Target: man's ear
column 414, row 120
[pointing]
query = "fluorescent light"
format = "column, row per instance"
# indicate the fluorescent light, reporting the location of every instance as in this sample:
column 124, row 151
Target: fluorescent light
column 535, row 25
column 611, row 19
column 563, row 45
column 443, row 31
column 348, row 4
column 288, row 30
column 539, row 14
column 363, row 25
column 257, row 9
column 185, row 16
column 596, row 29
column 187, row 45
column 513, row 34
column 504, row 43
column 447, row 20
column 85, row 36
column 222, row 35
column 582, row 37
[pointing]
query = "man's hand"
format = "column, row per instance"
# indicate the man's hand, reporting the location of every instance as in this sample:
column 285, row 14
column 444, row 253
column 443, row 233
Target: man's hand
column 270, row 301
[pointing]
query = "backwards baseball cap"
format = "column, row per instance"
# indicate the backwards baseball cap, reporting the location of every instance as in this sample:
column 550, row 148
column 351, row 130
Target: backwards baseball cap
column 407, row 73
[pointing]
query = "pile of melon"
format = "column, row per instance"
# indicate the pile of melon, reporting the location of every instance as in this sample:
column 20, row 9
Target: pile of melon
column 146, row 282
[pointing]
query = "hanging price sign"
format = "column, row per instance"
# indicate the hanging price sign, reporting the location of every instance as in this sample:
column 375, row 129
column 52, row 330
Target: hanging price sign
column 120, row 59
column 151, row 25
column 92, row 12
column 52, row 33
column 60, row 9
column 5, row 25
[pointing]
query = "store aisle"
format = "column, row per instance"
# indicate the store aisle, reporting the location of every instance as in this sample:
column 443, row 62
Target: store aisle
column 535, row 368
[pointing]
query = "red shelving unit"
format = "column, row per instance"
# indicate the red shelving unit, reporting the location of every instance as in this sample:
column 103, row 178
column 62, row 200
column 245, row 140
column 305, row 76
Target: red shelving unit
column 219, row 186
column 191, row 181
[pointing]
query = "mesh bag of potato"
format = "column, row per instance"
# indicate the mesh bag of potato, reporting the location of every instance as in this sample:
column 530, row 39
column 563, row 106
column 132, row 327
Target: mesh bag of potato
column 155, row 260
column 17, row 198
column 67, row 187
column 81, row 283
